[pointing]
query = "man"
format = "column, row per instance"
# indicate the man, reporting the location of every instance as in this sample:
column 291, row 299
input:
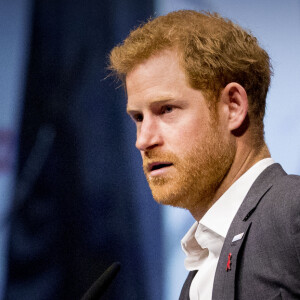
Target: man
column 197, row 86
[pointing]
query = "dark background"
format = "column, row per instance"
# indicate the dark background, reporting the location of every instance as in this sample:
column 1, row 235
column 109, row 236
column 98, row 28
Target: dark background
column 80, row 202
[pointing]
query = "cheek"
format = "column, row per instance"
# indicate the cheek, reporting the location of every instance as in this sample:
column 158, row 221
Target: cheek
column 187, row 131
column 195, row 131
column 183, row 141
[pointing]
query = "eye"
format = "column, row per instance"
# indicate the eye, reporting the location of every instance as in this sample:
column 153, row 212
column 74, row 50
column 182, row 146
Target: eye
column 167, row 109
column 137, row 117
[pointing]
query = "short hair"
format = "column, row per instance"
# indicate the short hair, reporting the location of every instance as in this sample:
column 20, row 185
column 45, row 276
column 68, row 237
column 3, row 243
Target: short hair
column 213, row 51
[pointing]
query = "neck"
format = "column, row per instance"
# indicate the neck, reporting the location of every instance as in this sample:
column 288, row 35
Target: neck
column 245, row 158
column 244, row 161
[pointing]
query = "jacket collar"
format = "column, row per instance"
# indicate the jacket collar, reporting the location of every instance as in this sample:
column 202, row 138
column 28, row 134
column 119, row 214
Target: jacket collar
column 224, row 282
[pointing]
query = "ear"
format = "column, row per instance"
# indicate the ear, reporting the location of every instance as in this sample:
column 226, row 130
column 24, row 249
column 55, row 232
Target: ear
column 235, row 99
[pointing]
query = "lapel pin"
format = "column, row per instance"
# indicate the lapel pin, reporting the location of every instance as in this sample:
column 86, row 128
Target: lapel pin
column 228, row 267
column 238, row 237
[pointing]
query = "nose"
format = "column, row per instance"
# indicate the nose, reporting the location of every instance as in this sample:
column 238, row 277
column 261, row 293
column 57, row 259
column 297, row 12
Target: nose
column 148, row 134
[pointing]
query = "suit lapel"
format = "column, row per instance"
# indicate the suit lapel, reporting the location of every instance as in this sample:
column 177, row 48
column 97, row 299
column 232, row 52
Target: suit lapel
column 185, row 291
column 232, row 251
column 224, row 282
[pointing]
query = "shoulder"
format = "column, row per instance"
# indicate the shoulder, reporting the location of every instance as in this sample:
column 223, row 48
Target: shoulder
column 285, row 192
column 281, row 186
column 288, row 181
column 275, row 192
column 280, row 210
column 283, row 195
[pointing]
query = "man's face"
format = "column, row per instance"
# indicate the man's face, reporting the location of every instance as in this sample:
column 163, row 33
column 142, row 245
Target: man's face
column 186, row 152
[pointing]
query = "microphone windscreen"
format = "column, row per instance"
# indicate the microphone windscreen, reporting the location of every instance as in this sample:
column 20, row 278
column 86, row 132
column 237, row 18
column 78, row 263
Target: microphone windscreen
column 102, row 283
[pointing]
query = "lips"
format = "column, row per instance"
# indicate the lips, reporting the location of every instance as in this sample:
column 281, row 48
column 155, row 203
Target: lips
column 158, row 165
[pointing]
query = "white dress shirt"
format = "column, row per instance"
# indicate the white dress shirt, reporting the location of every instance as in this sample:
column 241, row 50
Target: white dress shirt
column 203, row 242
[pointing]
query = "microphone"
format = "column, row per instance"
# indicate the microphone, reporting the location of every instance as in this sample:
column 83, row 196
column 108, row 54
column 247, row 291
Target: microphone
column 102, row 283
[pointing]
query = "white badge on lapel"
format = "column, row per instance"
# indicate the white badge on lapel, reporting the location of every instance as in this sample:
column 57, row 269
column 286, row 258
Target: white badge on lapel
column 238, row 237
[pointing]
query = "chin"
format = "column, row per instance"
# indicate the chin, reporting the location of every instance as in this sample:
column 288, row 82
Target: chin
column 166, row 196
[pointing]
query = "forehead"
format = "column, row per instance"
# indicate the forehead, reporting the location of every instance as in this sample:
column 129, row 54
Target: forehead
column 160, row 76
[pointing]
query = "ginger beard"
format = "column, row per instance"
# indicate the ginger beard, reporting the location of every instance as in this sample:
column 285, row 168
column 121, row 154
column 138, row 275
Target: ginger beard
column 199, row 172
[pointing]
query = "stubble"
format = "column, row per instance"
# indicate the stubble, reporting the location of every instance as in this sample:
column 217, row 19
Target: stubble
column 198, row 173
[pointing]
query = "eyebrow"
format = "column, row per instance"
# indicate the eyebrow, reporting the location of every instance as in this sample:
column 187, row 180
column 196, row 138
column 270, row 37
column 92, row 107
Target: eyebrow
column 158, row 100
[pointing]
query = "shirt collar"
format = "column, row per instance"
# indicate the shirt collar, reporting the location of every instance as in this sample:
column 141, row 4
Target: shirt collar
column 219, row 217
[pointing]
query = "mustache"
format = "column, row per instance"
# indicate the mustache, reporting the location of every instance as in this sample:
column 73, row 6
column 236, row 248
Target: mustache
column 155, row 155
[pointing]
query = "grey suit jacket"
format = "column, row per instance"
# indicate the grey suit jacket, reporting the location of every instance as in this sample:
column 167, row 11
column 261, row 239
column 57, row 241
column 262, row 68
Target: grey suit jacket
column 265, row 262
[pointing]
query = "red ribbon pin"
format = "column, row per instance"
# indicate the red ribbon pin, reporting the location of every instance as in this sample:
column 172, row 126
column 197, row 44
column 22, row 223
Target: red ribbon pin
column 228, row 267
